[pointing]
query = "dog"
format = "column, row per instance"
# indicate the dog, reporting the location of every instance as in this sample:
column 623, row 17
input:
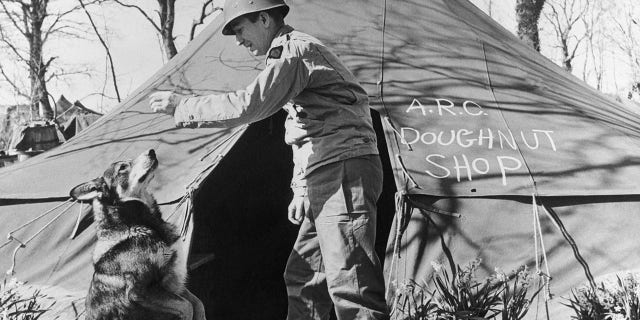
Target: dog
column 139, row 273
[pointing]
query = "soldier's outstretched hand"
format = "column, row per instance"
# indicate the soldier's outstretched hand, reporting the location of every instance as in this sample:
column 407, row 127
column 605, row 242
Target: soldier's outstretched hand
column 164, row 101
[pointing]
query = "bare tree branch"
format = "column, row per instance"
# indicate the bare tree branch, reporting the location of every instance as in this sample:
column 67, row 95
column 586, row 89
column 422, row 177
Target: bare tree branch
column 48, row 63
column 16, row 88
column 67, row 31
column 22, row 3
column 564, row 16
column 144, row 13
column 62, row 74
column 9, row 14
column 591, row 23
column 4, row 39
column 106, row 48
column 166, row 15
column 575, row 48
column 59, row 16
column 203, row 15
column 25, row 20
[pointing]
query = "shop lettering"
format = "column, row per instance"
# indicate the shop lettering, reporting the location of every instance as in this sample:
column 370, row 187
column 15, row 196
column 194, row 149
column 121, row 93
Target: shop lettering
column 534, row 139
column 463, row 162
column 442, row 107
column 463, row 167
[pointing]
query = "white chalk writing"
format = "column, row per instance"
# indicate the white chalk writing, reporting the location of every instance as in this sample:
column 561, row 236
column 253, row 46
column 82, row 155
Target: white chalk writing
column 532, row 139
column 446, row 107
column 463, row 163
column 464, row 167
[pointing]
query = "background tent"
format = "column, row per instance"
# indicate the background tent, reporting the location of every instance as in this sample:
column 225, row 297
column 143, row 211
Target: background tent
column 485, row 138
column 74, row 117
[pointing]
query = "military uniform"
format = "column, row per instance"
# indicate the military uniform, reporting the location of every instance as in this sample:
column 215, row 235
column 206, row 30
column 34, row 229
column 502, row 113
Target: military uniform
column 336, row 167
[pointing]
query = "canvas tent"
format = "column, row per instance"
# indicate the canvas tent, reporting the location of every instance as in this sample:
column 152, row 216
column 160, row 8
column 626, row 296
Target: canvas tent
column 488, row 144
column 74, row 117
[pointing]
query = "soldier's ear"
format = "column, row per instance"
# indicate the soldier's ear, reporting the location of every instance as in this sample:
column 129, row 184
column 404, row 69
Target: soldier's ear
column 264, row 18
column 88, row 190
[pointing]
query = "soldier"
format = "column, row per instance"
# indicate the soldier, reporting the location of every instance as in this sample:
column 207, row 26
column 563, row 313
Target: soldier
column 337, row 175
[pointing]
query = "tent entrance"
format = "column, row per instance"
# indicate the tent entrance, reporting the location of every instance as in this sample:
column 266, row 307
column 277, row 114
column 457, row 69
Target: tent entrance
column 240, row 217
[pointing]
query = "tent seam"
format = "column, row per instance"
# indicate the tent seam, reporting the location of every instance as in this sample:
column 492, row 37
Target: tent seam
column 504, row 120
column 394, row 145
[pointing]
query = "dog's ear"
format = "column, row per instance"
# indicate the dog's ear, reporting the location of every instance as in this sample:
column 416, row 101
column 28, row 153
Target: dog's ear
column 88, row 190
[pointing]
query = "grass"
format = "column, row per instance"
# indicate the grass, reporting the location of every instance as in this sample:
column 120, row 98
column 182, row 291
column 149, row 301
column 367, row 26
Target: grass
column 15, row 305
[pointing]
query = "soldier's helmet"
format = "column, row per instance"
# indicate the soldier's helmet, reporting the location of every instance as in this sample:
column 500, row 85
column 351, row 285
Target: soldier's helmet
column 234, row 9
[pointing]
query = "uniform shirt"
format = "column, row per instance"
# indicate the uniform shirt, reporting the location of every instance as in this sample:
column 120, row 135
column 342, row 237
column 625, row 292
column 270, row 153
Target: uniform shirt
column 328, row 111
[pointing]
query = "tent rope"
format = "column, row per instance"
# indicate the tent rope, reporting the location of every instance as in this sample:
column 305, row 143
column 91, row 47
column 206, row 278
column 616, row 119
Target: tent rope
column 393, row 127
column 77, row 225
column 188, row 211
column 191, row 187
column 189, row 195
column 426, row 209
column 576, row 252
column 403, row 209
column 175, row 210
column 538, row 240
column 22, row 244
column 204, row 173
column 10, row 237
column 406, row 173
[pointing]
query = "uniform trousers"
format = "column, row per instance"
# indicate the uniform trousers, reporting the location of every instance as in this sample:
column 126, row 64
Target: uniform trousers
column 333, row 262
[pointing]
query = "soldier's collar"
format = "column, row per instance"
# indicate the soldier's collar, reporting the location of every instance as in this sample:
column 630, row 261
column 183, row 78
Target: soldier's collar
column 279, row 37
column 275, row 50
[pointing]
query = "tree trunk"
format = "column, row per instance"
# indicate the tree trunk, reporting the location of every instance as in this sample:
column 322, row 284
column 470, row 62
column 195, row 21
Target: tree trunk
column 37, row 68
column 167, row 18
column 528, row 14
column 566, row 58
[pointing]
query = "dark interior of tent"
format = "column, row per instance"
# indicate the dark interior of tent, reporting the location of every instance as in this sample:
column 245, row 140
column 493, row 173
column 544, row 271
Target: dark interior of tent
column 241, row 218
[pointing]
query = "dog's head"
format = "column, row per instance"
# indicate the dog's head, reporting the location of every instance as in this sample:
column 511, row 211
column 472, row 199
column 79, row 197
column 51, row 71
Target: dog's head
column 121, row 181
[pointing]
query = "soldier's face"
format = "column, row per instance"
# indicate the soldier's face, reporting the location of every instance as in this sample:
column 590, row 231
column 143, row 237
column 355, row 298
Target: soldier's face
column 254, row 35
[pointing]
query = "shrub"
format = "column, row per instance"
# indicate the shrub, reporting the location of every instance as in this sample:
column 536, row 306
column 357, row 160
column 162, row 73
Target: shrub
column 515, row 303
column 460, row 296
column 611, row 301
column 414, row 302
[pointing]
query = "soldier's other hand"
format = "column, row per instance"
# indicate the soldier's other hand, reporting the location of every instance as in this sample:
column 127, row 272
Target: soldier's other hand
column 296, row 210
column 164, row 101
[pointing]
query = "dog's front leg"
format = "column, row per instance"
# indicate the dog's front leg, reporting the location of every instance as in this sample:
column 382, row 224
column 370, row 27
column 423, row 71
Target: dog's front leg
column 198, row 307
